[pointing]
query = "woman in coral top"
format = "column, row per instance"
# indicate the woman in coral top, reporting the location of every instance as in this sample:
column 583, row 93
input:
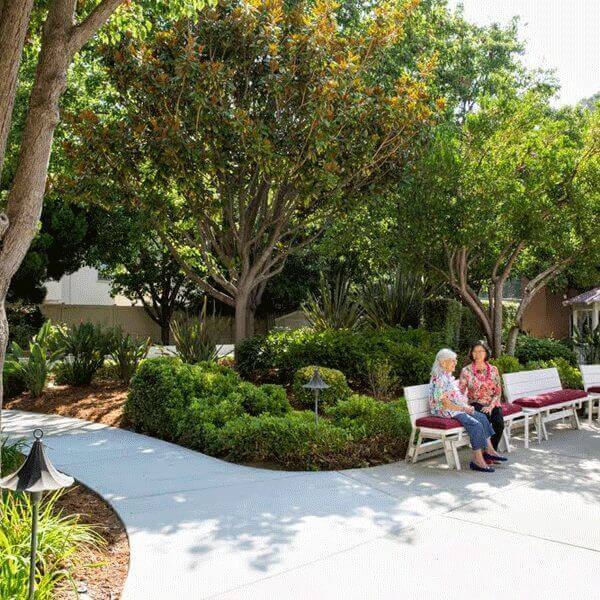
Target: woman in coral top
column 480, row 382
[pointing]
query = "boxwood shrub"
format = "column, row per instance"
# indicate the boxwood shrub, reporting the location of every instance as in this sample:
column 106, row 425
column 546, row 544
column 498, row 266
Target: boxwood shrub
column 337, row 391
column 530, row 349
column 278, row 355
column 208, row 407
column 507, row 364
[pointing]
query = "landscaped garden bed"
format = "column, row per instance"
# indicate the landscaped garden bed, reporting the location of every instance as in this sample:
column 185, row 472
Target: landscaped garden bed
column 82, row 544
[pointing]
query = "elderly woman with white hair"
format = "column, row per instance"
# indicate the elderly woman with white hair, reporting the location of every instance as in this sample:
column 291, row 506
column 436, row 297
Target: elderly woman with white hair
column 447, row 400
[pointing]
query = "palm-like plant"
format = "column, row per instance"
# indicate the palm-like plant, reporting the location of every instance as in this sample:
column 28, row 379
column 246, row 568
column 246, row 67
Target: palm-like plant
column 587, row 341
column 334, row 307
column 127, row 353
column 395, row 300
column 194, row 339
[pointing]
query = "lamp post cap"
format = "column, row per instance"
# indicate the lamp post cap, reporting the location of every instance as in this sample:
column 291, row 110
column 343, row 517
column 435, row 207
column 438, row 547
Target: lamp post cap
column 316, row 382
column 37, row 473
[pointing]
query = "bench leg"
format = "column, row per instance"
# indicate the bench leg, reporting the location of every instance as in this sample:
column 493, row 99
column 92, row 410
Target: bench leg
column 544, row 428
column 575, row 419
column 448, row 452
column 416, row 450
column 411, row 444
column 590, row 410
column 526, row 431
column 455, row 455
column 506, row 437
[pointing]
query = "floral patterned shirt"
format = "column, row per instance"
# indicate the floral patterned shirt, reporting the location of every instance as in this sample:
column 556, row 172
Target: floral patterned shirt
column 445, row 384
column 483, row 387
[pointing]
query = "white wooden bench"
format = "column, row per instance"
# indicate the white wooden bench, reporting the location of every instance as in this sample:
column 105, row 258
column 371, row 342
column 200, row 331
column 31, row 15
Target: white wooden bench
column 425, row 440
column 591, row 384
column 541, row 395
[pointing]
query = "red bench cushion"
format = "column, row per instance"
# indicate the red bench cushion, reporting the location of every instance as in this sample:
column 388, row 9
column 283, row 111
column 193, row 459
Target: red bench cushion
column 543, row 400
column 595, row 389
column 510, row 409
column 437, row 422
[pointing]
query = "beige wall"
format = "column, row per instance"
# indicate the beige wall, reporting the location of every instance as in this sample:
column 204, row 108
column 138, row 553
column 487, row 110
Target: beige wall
column 546, row 316
column 132, row 319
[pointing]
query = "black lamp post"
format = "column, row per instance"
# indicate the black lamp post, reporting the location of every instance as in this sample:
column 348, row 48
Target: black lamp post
column 316, row 384
column 36, row 475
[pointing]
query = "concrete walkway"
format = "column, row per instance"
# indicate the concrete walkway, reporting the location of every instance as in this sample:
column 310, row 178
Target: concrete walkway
column 203, row 528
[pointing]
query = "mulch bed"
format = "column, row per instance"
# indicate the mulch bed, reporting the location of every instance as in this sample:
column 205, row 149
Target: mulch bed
column 105, row 575
column 102, row 402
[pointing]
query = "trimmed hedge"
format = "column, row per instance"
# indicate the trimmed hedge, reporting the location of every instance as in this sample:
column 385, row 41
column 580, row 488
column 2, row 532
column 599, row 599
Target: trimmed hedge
column 506, row 364
column 530, row 349
column 337, row 391
column 208, row 407
column 278, row 355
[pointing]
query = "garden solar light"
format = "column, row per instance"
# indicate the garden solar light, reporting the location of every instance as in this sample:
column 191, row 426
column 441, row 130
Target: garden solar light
column 36, row 475
column 316, row 384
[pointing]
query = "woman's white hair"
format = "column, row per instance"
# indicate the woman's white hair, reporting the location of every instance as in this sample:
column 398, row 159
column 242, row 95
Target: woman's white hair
column 443, row 354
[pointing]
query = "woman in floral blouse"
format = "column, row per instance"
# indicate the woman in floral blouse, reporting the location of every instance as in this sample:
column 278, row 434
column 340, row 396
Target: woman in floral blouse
column 447, row 400
column 480, row 382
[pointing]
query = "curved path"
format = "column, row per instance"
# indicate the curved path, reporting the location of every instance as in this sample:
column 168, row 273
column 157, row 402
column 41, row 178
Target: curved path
column 203, row 528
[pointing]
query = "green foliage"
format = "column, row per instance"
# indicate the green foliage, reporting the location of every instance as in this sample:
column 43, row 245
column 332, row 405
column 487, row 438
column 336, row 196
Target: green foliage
column 530, row 349
column 286, row 440
column 365, row 417
column 394, row 301
column 61, row 538
column 32, row 370
column 570, row 376
column 24, row 320
column 334, row 307
column 84, row 347
column 127, row 353
column 587, row 343
column 207, row 407
column 382, row 381
column 12, row 456
column 337, row 391
column 280, row 354
column 506, row 364
column 194, row 340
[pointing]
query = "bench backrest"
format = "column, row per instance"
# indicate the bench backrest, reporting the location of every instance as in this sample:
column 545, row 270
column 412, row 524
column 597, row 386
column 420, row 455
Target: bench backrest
column 590, row 375
column 417, row 401
column 530, row 383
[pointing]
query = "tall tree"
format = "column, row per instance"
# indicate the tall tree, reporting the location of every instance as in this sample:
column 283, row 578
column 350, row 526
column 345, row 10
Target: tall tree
column 513, row 191
column 251, row 125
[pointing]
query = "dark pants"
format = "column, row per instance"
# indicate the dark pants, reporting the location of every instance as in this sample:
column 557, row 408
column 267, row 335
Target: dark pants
column 497, row 421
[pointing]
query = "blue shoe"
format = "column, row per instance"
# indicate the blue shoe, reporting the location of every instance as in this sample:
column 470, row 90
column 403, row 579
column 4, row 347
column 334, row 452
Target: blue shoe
column 495, row 458
column 475, row 467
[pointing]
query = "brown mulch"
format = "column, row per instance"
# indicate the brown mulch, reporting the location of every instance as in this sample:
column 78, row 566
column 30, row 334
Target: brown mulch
column 107, row 566
column 101, row 402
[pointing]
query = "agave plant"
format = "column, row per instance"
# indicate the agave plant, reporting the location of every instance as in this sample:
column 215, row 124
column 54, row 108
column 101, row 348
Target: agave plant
column 194, row 340
column 396, row 300
column 334, row 306
column 127, row 353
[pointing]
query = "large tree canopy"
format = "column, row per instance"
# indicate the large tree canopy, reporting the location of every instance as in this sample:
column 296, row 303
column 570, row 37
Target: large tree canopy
column 243, row 131
column 513, row 191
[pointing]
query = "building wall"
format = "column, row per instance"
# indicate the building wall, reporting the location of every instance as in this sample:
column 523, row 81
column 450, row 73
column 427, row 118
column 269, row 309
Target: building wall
column 133, row 320
column 546, row 316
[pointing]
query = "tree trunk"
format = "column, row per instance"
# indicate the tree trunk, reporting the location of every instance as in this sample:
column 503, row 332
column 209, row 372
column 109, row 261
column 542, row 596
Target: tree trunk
column 497, row 316
column 241, row 316
column 14, row 21
column 511, row 342
column 165, row 332
column 250, row 312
